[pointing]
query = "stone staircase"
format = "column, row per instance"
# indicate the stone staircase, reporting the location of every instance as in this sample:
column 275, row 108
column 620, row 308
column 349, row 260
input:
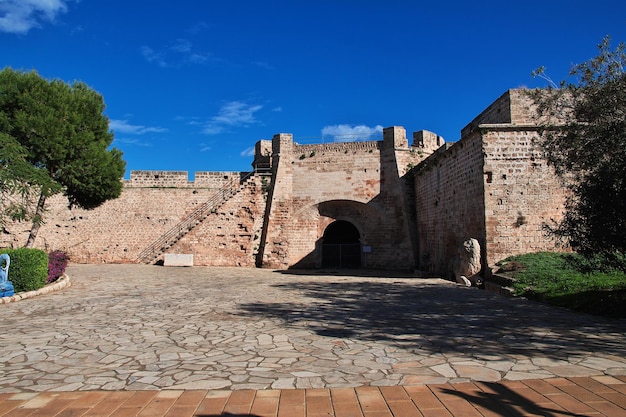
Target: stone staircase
column 191, row 220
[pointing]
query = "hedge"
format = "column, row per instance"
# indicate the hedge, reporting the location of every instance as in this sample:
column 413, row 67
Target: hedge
column 29, row 268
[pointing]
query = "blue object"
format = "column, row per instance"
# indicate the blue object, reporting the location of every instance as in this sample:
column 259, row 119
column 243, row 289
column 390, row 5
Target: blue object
column 6, row 286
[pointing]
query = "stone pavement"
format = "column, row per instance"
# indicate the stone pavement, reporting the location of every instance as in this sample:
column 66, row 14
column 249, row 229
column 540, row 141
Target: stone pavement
column 128, row 340
column 136, row 327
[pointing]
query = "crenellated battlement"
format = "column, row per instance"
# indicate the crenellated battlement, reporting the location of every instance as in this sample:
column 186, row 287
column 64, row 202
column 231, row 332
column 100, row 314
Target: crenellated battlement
column 336, row 147
column 394, row 138
column 180, row 179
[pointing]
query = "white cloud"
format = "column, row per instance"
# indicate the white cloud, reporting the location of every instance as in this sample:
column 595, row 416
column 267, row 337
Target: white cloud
column 182, row 46
column 198, row 28
column 122, row 126
column 198, row 58
column 264, row 65
column 152, row 56
column 232, row 114
column 133, row 141
column 213, row 129
column 20, row 16
column 176, row 54
column 247, row 152
column 349, row 133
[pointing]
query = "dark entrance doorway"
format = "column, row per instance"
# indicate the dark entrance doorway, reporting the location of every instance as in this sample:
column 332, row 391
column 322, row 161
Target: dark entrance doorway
column 341, row 247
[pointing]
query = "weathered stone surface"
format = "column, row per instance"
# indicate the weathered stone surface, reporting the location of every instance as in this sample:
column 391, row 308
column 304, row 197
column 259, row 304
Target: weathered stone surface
column 178, row 259
column 410, row 203
column 256, row 328
column 477, row 373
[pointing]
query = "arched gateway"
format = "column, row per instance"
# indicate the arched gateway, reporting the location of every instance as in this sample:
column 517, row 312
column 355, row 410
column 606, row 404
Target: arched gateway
column 341, row 246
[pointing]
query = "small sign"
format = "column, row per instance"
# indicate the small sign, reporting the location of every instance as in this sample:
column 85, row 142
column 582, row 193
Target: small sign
column 367, row 249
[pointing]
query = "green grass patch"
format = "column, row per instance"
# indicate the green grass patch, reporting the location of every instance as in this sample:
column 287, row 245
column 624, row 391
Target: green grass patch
column 566, row 280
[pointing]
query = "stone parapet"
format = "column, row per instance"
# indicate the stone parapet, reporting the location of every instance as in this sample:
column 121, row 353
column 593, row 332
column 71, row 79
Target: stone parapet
column 180, row 179
column 334, row 147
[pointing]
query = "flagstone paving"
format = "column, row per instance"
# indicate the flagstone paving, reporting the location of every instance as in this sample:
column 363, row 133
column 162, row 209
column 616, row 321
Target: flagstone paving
column 134, row 327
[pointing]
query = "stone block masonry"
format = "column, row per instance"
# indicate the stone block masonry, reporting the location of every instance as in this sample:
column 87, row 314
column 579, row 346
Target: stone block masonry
column 178, row 259
column 179, row 179
column 230, row 236
column 522, row 193
column 449, row 202
column 359, row 183
column 492, row 185
column 120, row 229
column 378, row 204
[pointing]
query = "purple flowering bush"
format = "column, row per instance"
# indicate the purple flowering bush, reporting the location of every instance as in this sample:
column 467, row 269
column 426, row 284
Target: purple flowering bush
column 57, row 262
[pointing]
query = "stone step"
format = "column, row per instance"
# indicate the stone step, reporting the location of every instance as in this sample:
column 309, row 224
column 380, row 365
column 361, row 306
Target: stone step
column 500, row 284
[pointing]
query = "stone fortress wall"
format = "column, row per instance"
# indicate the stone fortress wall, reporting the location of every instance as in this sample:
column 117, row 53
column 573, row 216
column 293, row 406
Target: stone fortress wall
column 492, row 185
column 152, row 202
column 411, row 204
column 359, row 182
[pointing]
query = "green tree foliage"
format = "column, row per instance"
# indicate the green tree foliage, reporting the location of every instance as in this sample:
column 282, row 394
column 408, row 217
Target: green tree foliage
column 584, row 138
column 17, row 178
column 59, row 130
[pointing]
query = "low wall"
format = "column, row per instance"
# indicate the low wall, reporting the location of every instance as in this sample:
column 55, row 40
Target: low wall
column 180, row 179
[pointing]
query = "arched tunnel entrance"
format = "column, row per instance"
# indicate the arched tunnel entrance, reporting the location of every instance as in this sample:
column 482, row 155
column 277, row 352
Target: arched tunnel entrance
column 341, row 246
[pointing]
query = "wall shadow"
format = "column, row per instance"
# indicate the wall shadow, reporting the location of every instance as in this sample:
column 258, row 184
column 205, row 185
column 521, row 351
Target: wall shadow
column 226, row 415
column 503, row 401
column 349, row 272
column 610, row 303
column 441, row 318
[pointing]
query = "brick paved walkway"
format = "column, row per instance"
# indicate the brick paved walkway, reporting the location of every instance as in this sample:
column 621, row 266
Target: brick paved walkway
column 582, row 396
column 140, row 338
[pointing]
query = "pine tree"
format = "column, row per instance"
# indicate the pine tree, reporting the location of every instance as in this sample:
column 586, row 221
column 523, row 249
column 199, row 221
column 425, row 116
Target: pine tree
column 60, row 131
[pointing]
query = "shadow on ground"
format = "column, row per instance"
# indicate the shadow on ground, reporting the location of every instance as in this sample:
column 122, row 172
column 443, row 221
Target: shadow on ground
column 441, row 318
column 365, row 273
column 226, row 415
column 502, row 401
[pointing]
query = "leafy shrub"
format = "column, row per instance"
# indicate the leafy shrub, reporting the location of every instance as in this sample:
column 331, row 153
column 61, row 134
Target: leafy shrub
column 57, row 262
column 29, row 268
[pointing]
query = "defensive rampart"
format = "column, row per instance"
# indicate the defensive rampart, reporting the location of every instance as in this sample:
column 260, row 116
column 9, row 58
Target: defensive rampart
column 359, row 183
column 376, row 204
column 492, row 185
column 179, row 179
column 153, row 202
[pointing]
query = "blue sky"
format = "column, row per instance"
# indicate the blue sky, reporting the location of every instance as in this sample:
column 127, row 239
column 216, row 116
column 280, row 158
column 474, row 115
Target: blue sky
column 192, row 85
